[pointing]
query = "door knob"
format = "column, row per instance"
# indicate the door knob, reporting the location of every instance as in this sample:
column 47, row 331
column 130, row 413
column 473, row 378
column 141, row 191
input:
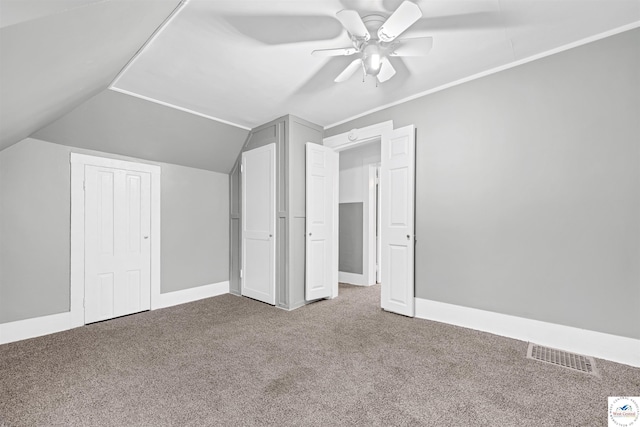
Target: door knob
column 146, row 237
column 309, row 234
column 408, row 236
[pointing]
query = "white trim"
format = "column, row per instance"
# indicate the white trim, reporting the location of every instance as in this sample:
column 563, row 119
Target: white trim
column 352, row 278
column 341, row 142
column 44, row 325
column 357, row 137
column 107, row 162
column 176, row 107
column 150, row 40
column 591, row 343
column 34, row 327
column 78, row 163
column 481, row 74
column 192, row 294
column 369, row 226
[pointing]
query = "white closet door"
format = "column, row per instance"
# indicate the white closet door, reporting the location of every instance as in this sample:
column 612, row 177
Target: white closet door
column 321, row 245
column 117, row 245
column 258, row 273
column 397, row 188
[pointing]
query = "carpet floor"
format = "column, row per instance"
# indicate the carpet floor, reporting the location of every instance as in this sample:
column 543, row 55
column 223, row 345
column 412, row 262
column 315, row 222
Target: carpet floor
column 234, row 361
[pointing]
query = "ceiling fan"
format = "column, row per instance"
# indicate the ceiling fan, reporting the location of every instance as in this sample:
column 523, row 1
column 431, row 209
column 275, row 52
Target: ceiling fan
column 373, row 51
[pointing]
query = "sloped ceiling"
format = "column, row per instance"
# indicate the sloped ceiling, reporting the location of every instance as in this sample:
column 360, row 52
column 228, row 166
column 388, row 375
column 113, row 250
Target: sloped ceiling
column 116, row 123
column 56, row 54
column 243, row 63
column 249, row 61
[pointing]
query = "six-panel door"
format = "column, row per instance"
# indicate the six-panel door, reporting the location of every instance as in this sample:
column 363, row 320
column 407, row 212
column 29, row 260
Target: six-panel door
column 397, row 188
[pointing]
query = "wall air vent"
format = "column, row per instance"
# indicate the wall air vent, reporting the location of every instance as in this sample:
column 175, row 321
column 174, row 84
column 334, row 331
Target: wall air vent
column 567, row 360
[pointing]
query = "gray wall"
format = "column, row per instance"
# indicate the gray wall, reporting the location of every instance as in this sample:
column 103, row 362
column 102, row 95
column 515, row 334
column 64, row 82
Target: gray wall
column 34, row 250
column 121, row 124
column 55, row 62
column 354, row 240
column 528, row 188
column 35, row 226
column 195, row 231
column 350, row 218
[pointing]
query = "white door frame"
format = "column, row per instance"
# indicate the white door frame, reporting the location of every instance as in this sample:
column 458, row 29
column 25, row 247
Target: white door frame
column 371, row 249
column 78, row 163
column 378, row 226
column 354, row 138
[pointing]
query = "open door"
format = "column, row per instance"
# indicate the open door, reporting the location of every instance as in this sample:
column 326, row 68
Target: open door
column 397, row 217
column 321, row 272
column 258, row 273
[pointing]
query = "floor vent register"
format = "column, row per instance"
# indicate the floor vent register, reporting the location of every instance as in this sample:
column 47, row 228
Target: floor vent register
column 575, row 362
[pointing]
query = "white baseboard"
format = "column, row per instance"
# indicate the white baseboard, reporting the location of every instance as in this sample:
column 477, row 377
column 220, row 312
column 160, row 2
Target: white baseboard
column 34, row 327
column 590, row 343
column 352, row 279
column 192, row 294
column 38, row 326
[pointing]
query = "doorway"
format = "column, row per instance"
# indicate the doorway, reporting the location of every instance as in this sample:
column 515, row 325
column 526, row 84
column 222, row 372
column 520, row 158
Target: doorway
column 358, row 212
column 396, row 221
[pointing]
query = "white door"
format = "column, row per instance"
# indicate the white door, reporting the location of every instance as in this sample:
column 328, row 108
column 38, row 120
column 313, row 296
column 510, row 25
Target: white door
column 321, row 222
column 397, row 188
column 258, row 273
column 117, row 246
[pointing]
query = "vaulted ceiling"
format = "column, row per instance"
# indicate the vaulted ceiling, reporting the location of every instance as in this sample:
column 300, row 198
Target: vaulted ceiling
column 56, row 54
column 247, row 62
column 244, row 62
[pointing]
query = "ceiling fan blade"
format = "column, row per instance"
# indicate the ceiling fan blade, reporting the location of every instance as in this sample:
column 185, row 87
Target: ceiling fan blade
column 404, row 17
column 352, row 22
column 348, row 72
column 345, row 51
column 386, row 70
column 418, row 46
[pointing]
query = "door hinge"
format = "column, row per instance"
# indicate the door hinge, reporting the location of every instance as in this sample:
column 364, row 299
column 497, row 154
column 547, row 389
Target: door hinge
column 83, row 303
column 241, row 273
column 84, row 185
column 241, row 168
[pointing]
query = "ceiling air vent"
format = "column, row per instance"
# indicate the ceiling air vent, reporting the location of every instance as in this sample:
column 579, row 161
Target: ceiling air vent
column 572, row 361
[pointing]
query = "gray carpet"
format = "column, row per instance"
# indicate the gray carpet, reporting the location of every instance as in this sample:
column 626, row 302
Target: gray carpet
column 234, row 361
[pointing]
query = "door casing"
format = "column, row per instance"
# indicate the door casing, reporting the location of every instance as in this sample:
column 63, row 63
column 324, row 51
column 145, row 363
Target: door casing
column 354, row 138
column 78, row 163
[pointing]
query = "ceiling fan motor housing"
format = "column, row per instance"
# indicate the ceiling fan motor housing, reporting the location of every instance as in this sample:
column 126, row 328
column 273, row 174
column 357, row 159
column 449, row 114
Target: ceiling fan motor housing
column 372, row 23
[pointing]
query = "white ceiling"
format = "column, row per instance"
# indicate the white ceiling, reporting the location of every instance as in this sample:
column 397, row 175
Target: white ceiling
column 247, row 62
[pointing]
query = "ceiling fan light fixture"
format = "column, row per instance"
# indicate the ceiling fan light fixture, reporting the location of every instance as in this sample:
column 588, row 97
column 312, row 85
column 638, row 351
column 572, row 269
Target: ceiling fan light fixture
column 375, row 39
column 372, row 59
